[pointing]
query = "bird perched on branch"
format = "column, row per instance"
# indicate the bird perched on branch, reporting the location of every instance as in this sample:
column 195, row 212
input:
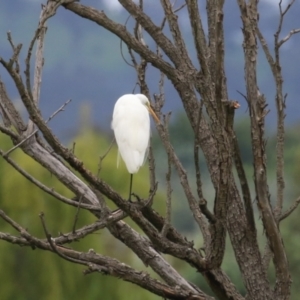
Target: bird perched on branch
column 131, row 126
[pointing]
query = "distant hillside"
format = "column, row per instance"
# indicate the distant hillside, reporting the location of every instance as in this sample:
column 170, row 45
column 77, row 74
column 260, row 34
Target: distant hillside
column 83, row 61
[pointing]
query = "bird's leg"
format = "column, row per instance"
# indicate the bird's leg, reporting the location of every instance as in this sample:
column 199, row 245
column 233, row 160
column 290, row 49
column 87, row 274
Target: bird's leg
column 130, row 187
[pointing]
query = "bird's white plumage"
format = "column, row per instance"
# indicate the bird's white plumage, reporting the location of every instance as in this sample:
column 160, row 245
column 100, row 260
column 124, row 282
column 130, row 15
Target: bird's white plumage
column 131, row 125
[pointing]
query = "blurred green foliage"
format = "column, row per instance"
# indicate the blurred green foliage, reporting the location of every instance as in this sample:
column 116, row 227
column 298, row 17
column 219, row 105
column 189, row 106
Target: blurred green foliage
column 35, row 274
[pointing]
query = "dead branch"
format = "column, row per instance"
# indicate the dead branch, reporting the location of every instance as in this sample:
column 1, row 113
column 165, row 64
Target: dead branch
column 104, row 263
column 169, row 188
column 46, row 189
column 211, row 120
column 36, row 130
column 257, row 110
column 9, row 113
column 285, row 214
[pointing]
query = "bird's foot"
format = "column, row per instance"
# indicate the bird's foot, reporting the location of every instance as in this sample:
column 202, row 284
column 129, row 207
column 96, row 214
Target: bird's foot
column 142, row 203
column 130, row 198
column 136, row 197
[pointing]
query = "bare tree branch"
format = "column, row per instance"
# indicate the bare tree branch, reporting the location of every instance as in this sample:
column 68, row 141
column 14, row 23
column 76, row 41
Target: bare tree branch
column 257, row 105
column 100, row 263
column 169, row 187
column 46, row 189
column 199, row 37
column 148, row 255
column 202, row 90
column 288, row 36
column 285, row 214
column 9, row 114
column 175, row 30
column 101, row 19
column 36, row 130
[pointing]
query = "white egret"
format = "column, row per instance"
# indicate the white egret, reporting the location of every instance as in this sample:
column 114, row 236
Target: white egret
column 131, row 126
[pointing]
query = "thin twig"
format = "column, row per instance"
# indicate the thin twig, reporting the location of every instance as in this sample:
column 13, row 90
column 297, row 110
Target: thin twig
column 102, row 157
column 179, row 8
column 163, row 23
column 36, row 130
column 53, row 246
column 287, row 37
column 46, row 189
column 283, row 12
column 138, row 30
column 73, row 148
column 278, row 43
column 10, row 114
column 121, row 46
column 16, row 50
column 266, row 50
column 10, row 221
column 289, row 210
column 47, row 12
column 144, row 203
column 112, row 217
column 77, row 214
column 9, row 132
column 9, row 38
column 182, row 174
column 134, row 62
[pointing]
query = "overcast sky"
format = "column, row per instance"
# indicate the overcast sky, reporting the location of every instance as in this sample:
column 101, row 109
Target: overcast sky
column 116, row 6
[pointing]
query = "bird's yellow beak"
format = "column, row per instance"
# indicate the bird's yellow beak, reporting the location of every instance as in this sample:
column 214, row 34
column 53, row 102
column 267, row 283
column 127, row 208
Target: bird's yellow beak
column 153, row 114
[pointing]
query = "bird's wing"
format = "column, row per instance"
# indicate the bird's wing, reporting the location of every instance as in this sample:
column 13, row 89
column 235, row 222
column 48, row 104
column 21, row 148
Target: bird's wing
column 132, row 131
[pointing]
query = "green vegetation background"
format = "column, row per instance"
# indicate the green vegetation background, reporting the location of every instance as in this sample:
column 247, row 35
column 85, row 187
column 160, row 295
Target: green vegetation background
column 34, row 274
